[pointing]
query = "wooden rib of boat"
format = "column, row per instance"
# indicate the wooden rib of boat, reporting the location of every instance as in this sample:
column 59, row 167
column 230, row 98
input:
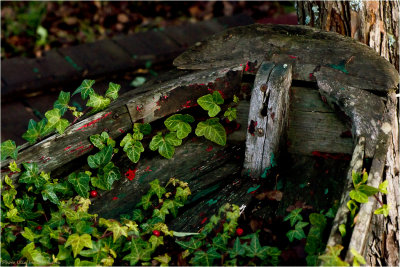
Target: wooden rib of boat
column 315, row 107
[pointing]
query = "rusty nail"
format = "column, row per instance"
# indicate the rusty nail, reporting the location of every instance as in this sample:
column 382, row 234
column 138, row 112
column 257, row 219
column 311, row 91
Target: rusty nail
column 263, row 88
column 260, row 132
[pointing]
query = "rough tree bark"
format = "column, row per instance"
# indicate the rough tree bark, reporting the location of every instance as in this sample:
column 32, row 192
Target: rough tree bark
column 376, row 24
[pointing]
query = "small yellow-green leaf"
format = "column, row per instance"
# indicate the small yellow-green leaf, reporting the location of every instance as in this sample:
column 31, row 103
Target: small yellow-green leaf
column 112, row 91
column 212, row 130
column 85, row 88
column 78, row 242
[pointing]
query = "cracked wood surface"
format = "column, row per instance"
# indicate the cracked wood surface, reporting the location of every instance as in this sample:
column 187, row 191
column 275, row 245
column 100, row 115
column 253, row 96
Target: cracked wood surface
column 268, row 114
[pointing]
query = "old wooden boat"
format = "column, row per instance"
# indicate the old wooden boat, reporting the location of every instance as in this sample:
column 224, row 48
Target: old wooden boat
column 315, row 106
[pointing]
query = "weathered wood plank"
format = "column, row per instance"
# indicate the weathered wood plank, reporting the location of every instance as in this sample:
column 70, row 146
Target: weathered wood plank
column 364, row 109
column 356, row 165
column 269, row 106
column 362, row 227
column 384, row 167
column 307, row 47
column 149, row 103
column 314, row 126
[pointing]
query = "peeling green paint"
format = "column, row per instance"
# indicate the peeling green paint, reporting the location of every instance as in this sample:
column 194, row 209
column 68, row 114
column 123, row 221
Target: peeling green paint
column 35, row 70
column 251, row 189
column 204, row 193
column 341, row 67
column 72, row 63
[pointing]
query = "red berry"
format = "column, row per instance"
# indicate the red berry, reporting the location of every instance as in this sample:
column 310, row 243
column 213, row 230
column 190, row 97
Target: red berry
column 239, row 231
column 156, row 232
column 39, row 227
column 93, row 193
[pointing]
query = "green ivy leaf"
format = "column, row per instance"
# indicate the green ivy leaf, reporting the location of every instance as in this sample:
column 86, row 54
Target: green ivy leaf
column 62, row 102
column 78, row 242
column 314, row 244
column 54, row 121
column 133, row 150
column 85, row 89
column 235, row 99
column 160, row 213
column 97, row 252
column 165, row 145
column 145, row 201
column 98, row 102
column 294, row 216
column 237, row 249
column 80, row 182
column 109, row 174
column 172, row 206
column 181, row 194
column 97, row 141
column 156, row 188
column 368, row 190
column 342, row 230
column 112, row 91
column 163, row 259
column 29, row 234
column 36, row 130
column 230, row 113
column 298, row 232
column 25, row 206
column 202, row 258
column 48, row 193
column 101, row 158
column 14, row 168
column 63, row 253
column 318, row 220
column 254, row 249
column 382, row 187
column 357, row 258
column 8, row 149
column 35, row 256
column 8, row 197
column 117, row 230
column 144, row 128
column 156, row 241
column 137, row 215
column 358, row 196
column 190, row 245
column 31, row 175
column 12, row 215
column 383, row 210
column 140, row 251
column 332, row 257
column 212, row 130
column 211, row 103
column 180, row 124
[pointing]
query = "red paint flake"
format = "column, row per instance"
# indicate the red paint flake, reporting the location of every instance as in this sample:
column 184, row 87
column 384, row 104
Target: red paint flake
column 120, row 130
column 148, row 169
column 228, row 130
column 189, row 104
column 138, row 108
column 253, row 192
column 130, row 175
column 237, row 126
column 209, row 148
column 94, row 121
column 252, row 127
column 247, row 68
column 85, row 149
column 114, row 198
column 68, row 147
column 273, row 115
column 335, row 156
column 193, row 169
column 204, row 220
column 323, row 98
column 165, row 97
column 222, row 94
column 209, row 89
column 291, row 56
column 311, row 75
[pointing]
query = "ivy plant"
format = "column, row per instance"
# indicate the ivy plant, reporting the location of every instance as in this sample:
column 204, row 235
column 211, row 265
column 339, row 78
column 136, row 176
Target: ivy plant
column 132, row 144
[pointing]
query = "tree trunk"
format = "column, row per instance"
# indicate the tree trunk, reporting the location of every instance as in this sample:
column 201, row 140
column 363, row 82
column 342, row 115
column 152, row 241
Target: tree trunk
column 374, row 23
